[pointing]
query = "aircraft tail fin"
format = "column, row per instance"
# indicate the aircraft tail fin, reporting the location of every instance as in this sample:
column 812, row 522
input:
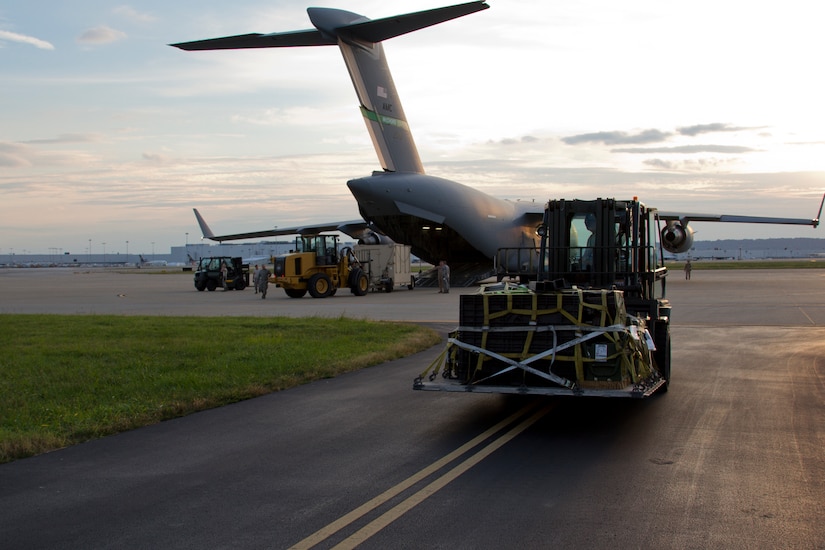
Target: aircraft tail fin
column 359, row 39
column 207, row 233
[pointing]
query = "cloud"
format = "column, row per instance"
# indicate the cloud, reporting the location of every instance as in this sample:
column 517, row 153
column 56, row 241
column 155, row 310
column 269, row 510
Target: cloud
column 131, row 13
column 688, row 149
column 155, row 158
column 697, row 129
column 65, row 138
column 514, row 141
column 692, row 165
column 14, row 155
column 101, row 35
column 26, row 155
column 618, row 138
column 23, row 39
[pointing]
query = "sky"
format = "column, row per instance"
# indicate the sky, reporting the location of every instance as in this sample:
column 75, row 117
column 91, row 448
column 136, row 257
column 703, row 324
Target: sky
column 108, row 135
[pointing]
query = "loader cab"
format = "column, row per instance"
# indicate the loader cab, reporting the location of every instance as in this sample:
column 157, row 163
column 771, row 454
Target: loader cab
column 603, row 243
column 325, row 247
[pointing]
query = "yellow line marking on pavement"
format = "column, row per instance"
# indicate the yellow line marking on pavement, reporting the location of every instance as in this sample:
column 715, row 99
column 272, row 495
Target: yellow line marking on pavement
column 399, row 510
column 329, row 530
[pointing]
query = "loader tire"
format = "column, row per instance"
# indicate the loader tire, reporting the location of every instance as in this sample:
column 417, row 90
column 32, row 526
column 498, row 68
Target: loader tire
column 320, row 285
column 295, row 292
column 662, row 353
column 359, row 283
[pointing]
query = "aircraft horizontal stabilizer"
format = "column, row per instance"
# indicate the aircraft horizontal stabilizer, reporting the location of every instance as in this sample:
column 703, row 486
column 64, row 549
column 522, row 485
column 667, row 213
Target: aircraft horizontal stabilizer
column 378, row 30
column 334, row 23
column 310, row 37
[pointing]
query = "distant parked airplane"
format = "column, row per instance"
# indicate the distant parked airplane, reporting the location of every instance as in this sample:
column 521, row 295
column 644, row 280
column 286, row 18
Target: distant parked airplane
column 151, row 263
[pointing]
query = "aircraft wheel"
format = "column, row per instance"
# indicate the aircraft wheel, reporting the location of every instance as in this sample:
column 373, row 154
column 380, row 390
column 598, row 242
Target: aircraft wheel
column 319, row 285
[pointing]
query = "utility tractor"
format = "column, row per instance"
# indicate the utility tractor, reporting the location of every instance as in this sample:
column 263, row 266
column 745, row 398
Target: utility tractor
column 318, row 267
column 209, row 274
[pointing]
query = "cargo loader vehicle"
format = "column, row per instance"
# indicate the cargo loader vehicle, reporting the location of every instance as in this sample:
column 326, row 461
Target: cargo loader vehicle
column 209, row 275
column 318, row 267
column 594, row 320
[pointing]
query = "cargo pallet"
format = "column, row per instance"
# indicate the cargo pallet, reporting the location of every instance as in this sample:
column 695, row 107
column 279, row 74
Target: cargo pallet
column 576, row 342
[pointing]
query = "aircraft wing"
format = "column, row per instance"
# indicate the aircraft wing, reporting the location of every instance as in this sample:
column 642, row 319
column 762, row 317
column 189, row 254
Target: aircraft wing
column 356, row 229
column 686, row 218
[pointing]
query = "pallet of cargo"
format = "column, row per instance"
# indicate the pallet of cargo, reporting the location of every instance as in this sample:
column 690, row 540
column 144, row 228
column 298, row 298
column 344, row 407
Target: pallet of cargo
column 574, row 341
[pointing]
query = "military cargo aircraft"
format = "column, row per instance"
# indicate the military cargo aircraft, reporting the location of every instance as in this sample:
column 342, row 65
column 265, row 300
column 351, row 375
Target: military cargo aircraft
column 438, row 218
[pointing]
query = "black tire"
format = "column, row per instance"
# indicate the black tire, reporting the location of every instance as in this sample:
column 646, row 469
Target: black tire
column 353, row 275
column 360, row 283
column 240, row 284
column 412, row 282
column 295, row 292
column 388, row 284
column 662, row 353
column 211, row 285
column 320, row 285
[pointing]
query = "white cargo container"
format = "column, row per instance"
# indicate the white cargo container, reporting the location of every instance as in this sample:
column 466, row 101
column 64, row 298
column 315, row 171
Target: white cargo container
column 386, row 265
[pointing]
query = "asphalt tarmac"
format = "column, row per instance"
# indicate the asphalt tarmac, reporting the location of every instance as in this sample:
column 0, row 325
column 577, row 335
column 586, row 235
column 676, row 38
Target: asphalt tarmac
column 731, row 457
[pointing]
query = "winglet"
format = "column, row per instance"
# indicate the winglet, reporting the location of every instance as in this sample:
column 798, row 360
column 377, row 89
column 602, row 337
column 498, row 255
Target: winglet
column 815, row 221
column 207, row 233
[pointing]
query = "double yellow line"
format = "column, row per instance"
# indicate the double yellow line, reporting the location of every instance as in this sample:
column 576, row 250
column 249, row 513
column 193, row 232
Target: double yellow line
column 417, row 498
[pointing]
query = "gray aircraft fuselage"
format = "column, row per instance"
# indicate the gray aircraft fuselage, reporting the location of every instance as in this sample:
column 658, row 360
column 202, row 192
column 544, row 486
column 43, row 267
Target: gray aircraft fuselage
column 442, row 219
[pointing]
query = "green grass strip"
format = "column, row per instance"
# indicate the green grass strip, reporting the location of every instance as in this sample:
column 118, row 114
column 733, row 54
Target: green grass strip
column 70, row 378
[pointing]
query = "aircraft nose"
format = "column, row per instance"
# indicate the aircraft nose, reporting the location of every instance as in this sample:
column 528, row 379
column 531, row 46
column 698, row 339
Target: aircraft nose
column 374, row 198
column 365, row 192
column 360, row 188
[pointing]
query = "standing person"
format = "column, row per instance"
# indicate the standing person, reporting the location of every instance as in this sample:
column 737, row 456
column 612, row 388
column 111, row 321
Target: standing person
column 224, row 273
column 262, row 281
column 439, row 274
column 688, row 269
column 255, row 278
column 444, row 273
